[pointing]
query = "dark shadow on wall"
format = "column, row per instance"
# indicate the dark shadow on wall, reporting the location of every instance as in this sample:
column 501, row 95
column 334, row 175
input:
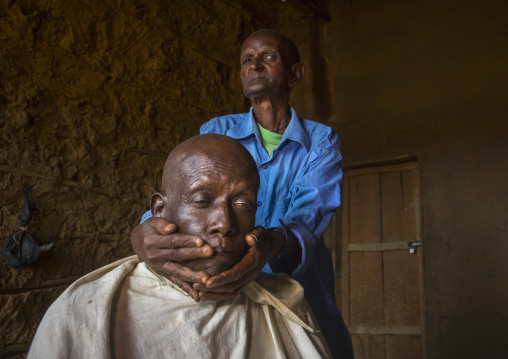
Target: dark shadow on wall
column 319, row 70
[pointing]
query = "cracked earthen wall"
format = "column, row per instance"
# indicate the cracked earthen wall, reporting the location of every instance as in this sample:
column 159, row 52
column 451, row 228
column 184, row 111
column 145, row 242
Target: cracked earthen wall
column 93, row 96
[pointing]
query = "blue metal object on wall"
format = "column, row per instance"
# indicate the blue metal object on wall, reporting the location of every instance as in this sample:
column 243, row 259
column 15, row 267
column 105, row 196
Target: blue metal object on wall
column 20, row 250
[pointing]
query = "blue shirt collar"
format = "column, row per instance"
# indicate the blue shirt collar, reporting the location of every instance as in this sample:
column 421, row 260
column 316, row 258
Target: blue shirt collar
column 294, row 132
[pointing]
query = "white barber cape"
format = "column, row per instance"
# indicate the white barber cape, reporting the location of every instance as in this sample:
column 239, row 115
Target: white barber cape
column 125, row 310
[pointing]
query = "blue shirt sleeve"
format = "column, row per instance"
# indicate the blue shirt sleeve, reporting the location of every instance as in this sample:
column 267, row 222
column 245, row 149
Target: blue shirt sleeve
column 147, row 215
column 315, row 200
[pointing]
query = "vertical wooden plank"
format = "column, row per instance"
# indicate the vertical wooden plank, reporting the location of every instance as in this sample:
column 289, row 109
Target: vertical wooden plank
column 369, row 346
column 397, row 206
column 401, row 289
column 400, row 270
column 365, row 220
column 366, row 289
column 345, row 253
column 415, row 178
column 410, row 192
column 391, row 207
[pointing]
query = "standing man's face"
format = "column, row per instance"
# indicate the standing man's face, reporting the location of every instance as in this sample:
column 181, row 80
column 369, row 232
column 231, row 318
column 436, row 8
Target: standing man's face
column 214, row 198
column 264, row 70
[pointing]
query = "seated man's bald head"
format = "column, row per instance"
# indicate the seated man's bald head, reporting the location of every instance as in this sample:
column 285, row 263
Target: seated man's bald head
column 218, row 148
column 209, row 189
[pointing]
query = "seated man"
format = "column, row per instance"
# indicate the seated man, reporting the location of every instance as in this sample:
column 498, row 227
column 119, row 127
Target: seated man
column 126, row 310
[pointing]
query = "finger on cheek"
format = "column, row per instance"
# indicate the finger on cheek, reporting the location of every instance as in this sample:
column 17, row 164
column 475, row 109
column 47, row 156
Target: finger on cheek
column 199, row 242
column 206, row 251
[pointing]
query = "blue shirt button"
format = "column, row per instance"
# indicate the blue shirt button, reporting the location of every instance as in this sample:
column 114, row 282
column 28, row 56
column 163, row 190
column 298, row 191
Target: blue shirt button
column 259, row 204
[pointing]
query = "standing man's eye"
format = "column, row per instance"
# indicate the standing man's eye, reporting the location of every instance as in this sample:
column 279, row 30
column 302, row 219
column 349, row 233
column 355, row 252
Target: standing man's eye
column 270, row 57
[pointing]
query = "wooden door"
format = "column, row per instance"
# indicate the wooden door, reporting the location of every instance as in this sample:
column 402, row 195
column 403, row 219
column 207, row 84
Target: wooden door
column 379, row 286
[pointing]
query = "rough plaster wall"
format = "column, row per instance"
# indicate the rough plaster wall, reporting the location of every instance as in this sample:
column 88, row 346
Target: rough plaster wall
column 430, row 78
column 93, row 96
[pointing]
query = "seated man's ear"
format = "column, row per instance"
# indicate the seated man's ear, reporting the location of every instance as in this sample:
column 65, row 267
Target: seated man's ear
column 157, row 205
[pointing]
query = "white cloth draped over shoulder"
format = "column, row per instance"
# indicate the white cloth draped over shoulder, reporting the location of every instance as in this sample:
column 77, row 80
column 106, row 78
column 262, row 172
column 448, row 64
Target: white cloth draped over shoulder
column 125, row 310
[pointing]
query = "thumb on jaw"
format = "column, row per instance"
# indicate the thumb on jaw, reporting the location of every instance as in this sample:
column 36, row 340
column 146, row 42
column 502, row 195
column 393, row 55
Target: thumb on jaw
column 255, row 236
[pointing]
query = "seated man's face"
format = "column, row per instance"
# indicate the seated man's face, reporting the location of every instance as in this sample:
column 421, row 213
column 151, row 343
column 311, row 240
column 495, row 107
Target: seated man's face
column 212, row 194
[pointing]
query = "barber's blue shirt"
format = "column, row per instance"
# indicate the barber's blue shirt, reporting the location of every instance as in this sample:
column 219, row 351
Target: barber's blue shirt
column 300, row 184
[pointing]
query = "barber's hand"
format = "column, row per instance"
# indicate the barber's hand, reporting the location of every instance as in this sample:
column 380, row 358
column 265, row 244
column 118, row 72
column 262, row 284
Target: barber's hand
column 156, row 243
column 264, row 246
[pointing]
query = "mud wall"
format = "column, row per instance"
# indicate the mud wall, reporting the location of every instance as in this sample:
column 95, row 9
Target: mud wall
column 93, row 96
column 430, row 79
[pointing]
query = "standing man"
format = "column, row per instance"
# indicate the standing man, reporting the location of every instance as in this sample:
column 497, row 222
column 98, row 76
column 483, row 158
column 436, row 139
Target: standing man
column 300, row 171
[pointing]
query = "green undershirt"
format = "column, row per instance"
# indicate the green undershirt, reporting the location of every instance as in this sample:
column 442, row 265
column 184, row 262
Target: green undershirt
column 270, row 139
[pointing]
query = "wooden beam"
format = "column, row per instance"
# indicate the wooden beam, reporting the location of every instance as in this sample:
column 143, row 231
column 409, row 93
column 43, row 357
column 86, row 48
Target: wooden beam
column 406, row 166
column 378, row 247
column 384, row 330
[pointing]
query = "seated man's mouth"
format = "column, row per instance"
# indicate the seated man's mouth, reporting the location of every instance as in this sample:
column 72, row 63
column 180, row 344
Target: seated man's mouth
column 222, row 250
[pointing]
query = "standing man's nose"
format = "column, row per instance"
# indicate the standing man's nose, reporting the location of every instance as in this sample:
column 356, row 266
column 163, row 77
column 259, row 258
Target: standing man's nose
column 255, row 63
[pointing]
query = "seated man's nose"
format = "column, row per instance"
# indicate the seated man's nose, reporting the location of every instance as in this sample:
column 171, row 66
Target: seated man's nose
column 222, row 223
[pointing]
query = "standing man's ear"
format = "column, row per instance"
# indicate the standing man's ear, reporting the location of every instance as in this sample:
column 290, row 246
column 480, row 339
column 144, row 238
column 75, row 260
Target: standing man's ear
column 157, row 205
column 297, row 72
